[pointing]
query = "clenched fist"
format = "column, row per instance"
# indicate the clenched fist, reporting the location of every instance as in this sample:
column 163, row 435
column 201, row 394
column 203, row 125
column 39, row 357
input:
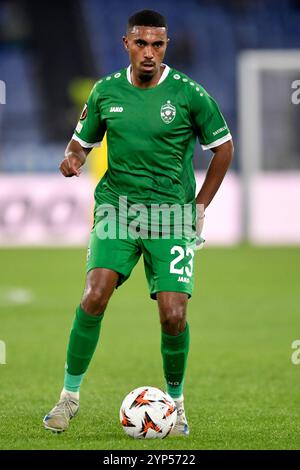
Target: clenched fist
column 71, row 164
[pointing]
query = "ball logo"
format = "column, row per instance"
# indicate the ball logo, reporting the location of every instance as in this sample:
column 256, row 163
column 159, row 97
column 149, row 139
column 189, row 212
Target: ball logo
column 168, row 112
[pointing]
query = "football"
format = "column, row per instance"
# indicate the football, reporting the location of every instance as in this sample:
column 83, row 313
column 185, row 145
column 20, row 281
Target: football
column 148, row 413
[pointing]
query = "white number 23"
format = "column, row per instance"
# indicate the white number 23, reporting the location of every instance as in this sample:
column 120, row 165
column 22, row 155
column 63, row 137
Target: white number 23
column 188, row 269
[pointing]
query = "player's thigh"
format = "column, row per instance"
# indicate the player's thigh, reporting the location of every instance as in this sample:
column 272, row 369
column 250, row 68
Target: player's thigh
column 118, row 255
column 101, row 281
column 99, row 286
column 169, row 265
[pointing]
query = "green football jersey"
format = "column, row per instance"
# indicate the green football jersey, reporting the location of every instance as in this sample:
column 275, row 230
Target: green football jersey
column 151, row 136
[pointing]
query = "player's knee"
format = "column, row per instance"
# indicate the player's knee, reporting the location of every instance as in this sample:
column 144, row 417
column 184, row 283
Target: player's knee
column 94, row 301
column 173, row 319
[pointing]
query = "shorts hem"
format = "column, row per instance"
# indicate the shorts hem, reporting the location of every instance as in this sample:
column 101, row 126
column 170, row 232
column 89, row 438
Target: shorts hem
column 122, row 277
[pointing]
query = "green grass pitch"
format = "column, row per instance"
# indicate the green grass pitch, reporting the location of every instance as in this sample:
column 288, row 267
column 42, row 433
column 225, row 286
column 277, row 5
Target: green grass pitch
column 242, row 390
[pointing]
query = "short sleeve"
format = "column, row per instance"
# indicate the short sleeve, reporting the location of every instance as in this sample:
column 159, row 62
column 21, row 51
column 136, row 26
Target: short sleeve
column 208, row 120
column 90, row 128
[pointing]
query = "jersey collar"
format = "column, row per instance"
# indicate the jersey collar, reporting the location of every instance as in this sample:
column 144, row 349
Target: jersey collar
column 162, row 78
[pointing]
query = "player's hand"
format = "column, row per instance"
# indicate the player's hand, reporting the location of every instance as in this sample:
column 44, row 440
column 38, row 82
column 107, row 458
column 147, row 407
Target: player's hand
column 199, row 227
column 70, row 166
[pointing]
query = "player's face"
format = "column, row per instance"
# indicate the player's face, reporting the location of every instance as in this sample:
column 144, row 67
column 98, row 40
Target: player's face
column 146, row 47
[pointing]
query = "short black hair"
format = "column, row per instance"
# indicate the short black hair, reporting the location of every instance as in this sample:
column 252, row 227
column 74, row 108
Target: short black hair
column 147, row 18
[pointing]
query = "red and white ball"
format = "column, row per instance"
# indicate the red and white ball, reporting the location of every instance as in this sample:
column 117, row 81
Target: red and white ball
column 148, row 413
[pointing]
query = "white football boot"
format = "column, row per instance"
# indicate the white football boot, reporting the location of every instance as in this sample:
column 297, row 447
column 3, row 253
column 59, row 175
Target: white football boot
column 181, row 427
column 57, row 420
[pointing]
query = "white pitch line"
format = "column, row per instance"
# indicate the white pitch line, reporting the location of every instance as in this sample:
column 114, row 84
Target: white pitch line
column 15, row 296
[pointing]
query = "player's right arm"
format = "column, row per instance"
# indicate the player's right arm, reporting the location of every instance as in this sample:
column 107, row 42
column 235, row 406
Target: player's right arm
column 75, row 157
column 89, row 133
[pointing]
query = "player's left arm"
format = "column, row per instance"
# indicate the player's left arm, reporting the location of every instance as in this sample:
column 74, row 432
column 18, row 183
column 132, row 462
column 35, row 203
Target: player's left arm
column 214, row 135
column 217, row 169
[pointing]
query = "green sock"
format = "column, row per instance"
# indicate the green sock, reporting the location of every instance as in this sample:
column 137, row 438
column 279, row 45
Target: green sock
column 82, row 344
column 72, row 383
column 174, row 351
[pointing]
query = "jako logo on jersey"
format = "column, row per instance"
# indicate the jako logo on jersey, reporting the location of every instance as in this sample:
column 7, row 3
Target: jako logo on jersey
column 167, row 112
column 183, row 279
column 116, row 109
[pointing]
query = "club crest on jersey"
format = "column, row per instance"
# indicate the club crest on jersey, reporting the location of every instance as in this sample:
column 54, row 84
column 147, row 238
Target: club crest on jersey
column 167, row 112
column 83, row 115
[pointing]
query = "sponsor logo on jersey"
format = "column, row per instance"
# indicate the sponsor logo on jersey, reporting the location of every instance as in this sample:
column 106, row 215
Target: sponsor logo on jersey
column 220, row 130
column 183, row 279
column 83, row 114
column 168, row 112
column 116, row 109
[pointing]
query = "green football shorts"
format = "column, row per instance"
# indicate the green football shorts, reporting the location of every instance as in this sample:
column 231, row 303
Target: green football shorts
column 168, row 262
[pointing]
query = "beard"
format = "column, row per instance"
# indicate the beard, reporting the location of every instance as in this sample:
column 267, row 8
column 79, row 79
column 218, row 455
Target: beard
column 146, row 76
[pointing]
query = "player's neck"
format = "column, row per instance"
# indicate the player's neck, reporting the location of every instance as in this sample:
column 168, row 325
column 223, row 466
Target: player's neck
column 136, row 81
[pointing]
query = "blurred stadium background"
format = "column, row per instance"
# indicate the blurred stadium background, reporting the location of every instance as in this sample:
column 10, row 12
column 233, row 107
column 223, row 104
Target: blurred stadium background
column 246, row 53
column 49, row 59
